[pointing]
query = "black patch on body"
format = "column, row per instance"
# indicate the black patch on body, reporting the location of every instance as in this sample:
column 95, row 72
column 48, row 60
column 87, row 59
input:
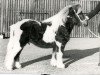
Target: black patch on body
column 63, row 33
column 33, row 32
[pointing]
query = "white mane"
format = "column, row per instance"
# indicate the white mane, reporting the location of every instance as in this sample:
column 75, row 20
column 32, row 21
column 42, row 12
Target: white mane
column 57, row 20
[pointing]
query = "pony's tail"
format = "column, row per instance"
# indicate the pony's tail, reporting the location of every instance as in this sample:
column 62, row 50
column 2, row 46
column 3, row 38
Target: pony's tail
column 11, row 41
column 12, row 32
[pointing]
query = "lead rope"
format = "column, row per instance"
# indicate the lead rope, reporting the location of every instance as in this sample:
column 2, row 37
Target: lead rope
column 97, row 37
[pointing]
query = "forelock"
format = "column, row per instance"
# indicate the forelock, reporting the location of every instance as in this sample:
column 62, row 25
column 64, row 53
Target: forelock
column 76, row 7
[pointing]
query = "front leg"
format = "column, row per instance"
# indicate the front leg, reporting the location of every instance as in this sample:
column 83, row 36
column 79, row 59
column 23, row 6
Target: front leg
column 53, row 61
column 59, row 56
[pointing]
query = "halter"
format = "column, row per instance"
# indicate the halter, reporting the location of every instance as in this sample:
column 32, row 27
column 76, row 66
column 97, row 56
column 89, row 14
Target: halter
column 78, row 16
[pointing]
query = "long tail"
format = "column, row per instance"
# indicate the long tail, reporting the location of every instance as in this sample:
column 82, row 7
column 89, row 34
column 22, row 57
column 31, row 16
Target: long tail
column 11, row 42
column 11, row 32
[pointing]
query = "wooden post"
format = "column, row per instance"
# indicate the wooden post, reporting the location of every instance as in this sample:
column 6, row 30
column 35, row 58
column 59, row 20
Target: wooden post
column 99, row 51
column 99, row 57
column 1, row 27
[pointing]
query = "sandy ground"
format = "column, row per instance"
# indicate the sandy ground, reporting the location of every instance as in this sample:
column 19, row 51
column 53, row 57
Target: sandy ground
column 81, row 57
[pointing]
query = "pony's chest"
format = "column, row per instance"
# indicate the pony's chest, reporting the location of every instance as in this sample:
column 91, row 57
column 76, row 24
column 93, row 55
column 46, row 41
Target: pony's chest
column 62, row 34
column 51, row 35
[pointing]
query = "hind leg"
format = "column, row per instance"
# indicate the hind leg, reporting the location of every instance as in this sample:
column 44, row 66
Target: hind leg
column 17, row 63
column 11, row 53
column 9, row 50
column 23, row 41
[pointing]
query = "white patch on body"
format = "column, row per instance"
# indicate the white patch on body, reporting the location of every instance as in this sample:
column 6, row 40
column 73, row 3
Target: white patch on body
column 57, row 20
column 14, row 45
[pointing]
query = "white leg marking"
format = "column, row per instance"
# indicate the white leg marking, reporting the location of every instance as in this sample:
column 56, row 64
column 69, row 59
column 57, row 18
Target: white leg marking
column 7, row 63
column 9, row 59
column 9, row 50
column 59, row 56
column 53, row 61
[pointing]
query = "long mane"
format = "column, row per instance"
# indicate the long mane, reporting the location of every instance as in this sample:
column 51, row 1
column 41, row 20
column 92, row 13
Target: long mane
column 61, row 15
column 57, row 20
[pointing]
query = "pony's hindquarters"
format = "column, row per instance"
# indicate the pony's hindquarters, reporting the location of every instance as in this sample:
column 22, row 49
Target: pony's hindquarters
column 13, row 48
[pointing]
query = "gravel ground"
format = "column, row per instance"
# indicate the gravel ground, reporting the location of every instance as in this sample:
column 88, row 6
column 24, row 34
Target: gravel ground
column 81, row 57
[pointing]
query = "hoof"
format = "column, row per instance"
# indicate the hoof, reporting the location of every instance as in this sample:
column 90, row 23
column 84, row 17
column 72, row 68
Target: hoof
column 53, row 62
column 17, row 65
column 9, row 68
column 62, row 66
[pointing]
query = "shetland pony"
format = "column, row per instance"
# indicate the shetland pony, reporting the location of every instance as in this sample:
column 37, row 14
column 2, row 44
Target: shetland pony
column 53, row 32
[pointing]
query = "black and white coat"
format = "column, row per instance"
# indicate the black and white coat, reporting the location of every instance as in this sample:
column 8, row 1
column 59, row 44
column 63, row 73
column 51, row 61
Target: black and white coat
column 53, row 32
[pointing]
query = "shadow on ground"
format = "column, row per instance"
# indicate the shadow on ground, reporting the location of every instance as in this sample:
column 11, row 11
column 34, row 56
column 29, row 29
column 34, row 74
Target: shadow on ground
column 71, row 56
column 75, row 55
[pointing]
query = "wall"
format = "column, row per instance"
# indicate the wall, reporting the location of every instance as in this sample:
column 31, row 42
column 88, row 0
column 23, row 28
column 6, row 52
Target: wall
column 15, row 10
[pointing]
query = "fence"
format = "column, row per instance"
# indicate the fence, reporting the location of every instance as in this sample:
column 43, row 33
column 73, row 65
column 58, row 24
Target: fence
column 15, row 10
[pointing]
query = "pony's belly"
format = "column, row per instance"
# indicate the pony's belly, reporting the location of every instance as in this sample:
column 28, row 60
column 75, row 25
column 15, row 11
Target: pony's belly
column 42, row 44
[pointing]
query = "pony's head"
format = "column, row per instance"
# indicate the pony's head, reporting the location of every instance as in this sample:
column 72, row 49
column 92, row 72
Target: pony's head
column 75, row 12
column 72, row 12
